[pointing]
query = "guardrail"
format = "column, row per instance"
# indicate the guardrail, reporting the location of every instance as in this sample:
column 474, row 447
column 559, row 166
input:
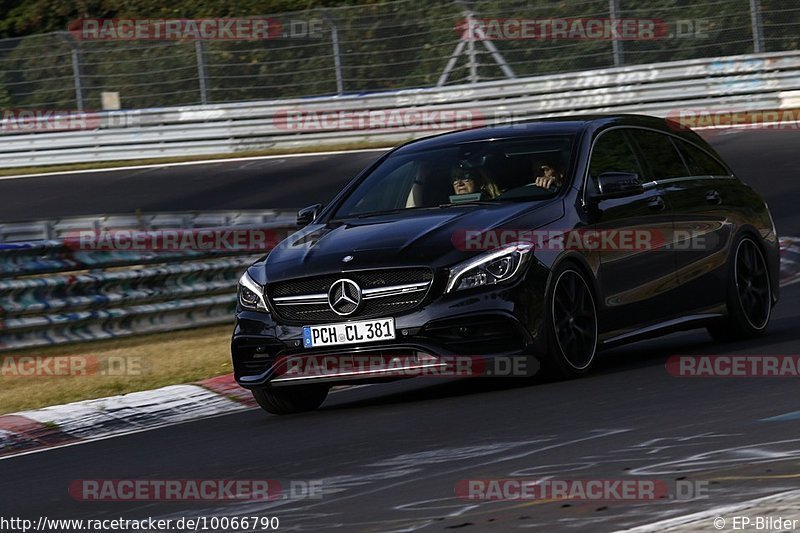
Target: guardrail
column 52, row 291
column 739, row 83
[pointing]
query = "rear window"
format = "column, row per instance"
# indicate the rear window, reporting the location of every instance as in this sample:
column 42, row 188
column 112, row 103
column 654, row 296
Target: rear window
column 701, row 163
column 661, row 157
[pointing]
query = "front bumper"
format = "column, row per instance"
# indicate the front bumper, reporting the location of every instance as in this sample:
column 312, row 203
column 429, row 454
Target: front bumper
column 481, row 324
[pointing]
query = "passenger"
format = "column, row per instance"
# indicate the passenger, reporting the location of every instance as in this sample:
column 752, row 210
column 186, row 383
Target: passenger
column 474, row 180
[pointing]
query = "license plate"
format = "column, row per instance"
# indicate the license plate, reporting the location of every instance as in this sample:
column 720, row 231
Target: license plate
column 348, row 333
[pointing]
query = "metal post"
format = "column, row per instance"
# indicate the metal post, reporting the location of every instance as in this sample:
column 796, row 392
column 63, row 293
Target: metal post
column 498, row 58
column 337, row 58
column 758, row 27
column 471, row 62
column 76, row 74
column 76, row 68
column 476, row 31
column 616, row 44
column 468, row 37
column 199, row 53
column 451, row 63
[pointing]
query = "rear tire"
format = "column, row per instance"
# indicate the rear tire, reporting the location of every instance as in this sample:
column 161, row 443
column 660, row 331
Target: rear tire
column 749, row 294
column 288, row 400
column 571, row 325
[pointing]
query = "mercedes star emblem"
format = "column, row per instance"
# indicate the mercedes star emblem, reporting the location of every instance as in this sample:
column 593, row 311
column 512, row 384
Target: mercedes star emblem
column 344, row 297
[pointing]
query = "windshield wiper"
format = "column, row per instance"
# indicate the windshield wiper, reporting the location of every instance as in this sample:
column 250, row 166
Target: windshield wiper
column 471, row 202
column 441, row 206
column 390, row 211
column 374, row 213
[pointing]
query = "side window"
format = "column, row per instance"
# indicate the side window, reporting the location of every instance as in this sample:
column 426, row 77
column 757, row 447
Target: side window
column 700, row 163
column 612, row 152
column 660, row 155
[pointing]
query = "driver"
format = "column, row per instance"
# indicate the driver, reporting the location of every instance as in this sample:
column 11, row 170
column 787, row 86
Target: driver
column 550, row 176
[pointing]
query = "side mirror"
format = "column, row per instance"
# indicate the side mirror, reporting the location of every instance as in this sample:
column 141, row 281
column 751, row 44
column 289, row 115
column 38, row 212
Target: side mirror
column 618, row 185
column 307, row 215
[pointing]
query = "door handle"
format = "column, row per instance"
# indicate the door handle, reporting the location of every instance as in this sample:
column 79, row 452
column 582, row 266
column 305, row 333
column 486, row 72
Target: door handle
column 713, row 197
column 656, row 203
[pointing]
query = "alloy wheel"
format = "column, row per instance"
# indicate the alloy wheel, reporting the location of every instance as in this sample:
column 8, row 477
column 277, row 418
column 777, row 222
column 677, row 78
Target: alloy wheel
column 574, row 319
column 752, row 284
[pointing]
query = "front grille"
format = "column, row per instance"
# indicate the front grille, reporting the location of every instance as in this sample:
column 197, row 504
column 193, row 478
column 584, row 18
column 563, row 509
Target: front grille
column 316, row 309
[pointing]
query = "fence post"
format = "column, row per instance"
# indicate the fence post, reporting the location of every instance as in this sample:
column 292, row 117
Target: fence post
column 758, row 28
column 616, row 44
column 337, row 58
column 76, row 68
column 200, row 56
column 472, row 62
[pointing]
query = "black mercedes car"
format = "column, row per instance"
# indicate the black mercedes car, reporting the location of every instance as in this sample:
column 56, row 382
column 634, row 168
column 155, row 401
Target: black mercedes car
column 549, row 239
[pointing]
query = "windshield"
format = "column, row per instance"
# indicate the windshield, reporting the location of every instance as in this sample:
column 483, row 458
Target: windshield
column 490, row 171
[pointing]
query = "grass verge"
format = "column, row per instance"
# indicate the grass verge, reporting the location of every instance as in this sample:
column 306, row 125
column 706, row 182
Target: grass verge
column 116, row 366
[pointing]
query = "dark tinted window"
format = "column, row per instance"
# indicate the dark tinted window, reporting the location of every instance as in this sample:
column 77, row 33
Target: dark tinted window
column 485, row 171
column 699, row 162
column 661, row 157
column 612, row 152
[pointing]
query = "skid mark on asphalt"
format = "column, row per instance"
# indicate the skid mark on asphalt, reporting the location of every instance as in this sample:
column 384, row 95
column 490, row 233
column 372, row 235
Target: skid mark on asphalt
column 407, row 469
column 790, row 260
column 783, row 418
column 764, row 452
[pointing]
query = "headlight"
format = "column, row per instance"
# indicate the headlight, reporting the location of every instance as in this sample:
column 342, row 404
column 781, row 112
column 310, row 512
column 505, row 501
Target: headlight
column 251, row 294
column 491, row 267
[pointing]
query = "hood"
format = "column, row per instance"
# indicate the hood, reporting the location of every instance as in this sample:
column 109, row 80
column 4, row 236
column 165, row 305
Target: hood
column 427, row 237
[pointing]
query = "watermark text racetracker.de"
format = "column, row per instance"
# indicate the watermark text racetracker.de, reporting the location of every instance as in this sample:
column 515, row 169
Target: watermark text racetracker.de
column 553, row 29
column 603, row 490
column 55, row 366
column 205, row 29
column 197, row 239
column 44, row 120
column 295, row 119
column 768, row 119
column 31, row 120
column 594, row 239
column 582, row 29
column 400, row 366
column 734, row 366
column 188, row 490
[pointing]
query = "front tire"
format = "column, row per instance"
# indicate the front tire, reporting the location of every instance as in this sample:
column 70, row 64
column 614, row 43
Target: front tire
column 571, row 324
column 749, row 295
column 289, row 400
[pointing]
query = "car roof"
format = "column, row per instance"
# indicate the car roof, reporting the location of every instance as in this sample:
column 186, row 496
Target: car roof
column 567, row 125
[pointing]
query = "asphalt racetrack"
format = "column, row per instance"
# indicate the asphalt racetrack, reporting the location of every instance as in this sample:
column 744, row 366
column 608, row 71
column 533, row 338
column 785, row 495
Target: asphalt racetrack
column 389, row 457
column 766, row 159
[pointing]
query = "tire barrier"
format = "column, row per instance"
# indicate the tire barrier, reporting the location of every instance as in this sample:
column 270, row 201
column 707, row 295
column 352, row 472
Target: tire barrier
column 52, row 292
